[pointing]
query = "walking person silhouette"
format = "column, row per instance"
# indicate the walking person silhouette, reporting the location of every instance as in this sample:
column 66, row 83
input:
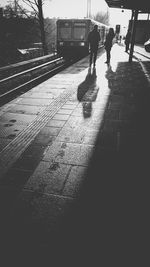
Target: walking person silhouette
column 108, row 44
column 93, row 40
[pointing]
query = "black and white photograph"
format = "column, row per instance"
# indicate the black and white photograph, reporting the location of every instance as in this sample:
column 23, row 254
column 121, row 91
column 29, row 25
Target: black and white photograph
column 74, row 133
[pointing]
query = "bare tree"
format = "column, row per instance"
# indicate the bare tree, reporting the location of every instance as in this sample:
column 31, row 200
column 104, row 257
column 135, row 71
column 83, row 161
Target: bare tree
column 102, row 17
column 37, row 7
column 50, row 31
column 12, row 11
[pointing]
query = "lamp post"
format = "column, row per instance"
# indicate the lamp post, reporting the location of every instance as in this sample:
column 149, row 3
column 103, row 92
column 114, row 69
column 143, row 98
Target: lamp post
column 88, row 8
column 133, row 31
column 15, row 7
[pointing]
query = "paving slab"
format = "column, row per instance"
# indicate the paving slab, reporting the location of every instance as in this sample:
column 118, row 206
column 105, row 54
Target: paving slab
column 49, row 178
column 25, row 109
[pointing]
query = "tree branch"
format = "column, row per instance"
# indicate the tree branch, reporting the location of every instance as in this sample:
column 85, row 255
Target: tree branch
column 30, row 4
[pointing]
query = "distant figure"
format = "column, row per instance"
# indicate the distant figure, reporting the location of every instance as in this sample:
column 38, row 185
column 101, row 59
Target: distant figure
column 93, row 40
column 108, row 44
column 127, row 41
column 120, row 38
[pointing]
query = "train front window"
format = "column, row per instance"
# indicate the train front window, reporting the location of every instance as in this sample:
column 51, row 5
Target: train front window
column 65, row 33
column 79, row 33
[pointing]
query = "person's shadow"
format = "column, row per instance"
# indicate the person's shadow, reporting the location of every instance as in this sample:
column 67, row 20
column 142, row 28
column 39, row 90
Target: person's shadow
column 87, row 92
column 109, row 72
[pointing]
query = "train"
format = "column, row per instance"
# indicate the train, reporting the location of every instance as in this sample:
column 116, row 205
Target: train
column 72, row 36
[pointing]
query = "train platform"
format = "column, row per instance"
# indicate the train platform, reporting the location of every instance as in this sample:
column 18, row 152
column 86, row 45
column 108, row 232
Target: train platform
column 74, row 166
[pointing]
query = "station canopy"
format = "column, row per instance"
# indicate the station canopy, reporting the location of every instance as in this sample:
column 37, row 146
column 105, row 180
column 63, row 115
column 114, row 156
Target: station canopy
column 142, row 6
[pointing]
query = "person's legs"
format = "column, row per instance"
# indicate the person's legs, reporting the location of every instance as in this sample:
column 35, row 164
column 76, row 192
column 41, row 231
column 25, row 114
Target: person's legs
column 91, row 56
column 108, row 56
column 95, row 57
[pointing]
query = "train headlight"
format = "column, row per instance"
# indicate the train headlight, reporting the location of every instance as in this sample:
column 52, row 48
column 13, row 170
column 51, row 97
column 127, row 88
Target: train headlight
column 82, row 44
column 61, row 43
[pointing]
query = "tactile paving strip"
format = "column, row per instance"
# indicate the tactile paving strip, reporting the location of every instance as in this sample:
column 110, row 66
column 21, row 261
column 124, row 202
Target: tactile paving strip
column 13, row 150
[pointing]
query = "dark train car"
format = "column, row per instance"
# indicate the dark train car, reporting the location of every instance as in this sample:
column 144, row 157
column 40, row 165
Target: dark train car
column 72, row 36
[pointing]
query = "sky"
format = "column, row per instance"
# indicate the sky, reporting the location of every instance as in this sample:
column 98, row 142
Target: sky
column 78, row 8
column 73, row 8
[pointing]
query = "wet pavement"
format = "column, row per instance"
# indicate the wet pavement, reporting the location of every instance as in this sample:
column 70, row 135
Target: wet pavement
column 75, row 179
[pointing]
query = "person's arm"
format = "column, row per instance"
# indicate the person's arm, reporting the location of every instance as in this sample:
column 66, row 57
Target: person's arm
column 99, row 37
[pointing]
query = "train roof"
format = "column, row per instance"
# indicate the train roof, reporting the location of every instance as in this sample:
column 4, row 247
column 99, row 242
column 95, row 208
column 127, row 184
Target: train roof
column 83, row 19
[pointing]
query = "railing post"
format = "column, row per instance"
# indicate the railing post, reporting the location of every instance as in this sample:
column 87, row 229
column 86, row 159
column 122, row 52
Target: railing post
column 133, row 34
